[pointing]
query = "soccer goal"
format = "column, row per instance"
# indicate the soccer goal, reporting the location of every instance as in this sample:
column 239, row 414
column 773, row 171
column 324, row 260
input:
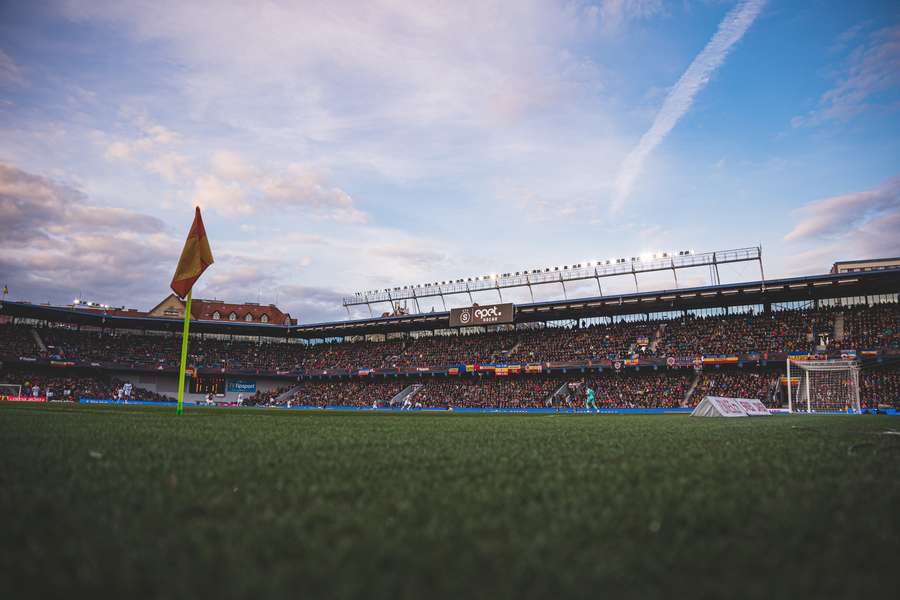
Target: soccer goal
column 825, row 386
column 10, row 389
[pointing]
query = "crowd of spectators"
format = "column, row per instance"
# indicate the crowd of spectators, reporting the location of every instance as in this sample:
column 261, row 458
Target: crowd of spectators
column 16, row 340
column 880, row 386
column 598, row 341
column 737, row 383
column 872, row 327
column 787, row 331
column 657, row 389
column 487, row 392
column 73, row 387
column 346, row 393
column 864, row 328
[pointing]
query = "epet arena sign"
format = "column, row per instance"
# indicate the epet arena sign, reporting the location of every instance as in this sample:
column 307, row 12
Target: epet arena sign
column 491, row 314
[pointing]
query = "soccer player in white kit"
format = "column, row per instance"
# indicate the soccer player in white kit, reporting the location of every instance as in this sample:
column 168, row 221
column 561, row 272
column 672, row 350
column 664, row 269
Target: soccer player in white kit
column 126, row 391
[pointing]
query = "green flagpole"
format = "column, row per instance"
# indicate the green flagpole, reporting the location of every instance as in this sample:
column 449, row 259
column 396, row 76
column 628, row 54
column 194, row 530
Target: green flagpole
column 184, row 344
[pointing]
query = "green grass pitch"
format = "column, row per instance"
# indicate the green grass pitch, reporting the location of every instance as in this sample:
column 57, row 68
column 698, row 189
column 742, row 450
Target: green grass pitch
column 226, row 503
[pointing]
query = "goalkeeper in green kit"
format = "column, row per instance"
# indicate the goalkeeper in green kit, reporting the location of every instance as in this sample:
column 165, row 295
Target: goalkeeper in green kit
column 589, row 401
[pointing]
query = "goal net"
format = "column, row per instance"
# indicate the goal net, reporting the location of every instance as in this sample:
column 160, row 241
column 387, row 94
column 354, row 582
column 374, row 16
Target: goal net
column 825, row 386
column 10, row 389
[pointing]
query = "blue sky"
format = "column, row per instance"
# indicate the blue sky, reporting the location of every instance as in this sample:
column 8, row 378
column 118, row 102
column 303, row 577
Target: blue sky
column 337, row 147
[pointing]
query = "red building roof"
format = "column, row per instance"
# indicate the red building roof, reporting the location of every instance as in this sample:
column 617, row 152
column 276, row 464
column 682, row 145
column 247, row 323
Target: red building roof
column 218, row 310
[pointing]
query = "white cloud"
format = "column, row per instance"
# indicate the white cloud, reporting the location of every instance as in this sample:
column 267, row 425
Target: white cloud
column 310, row 72
column 55, row 243
column 10, row 72
column 170, row 166
column 872, row 69
column 119, row 150
column 147, row 138
column 613, row 13
column 839, row 216
column 303, row 186
column 228, row 199
column 862, row 224
column 230, row 165
column 681, row 97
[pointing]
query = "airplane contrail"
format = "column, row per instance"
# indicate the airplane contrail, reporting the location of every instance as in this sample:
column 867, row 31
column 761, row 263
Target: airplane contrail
column 681, row 97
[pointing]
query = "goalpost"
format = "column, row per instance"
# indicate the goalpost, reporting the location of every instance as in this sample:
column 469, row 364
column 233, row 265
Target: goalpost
column 826, row 386
column 10, row 389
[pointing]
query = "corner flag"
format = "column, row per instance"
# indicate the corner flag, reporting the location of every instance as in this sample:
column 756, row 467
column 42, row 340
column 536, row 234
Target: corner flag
column 196, row 257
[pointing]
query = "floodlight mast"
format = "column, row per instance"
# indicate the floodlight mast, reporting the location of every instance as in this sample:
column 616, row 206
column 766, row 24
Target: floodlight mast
column 661, row 261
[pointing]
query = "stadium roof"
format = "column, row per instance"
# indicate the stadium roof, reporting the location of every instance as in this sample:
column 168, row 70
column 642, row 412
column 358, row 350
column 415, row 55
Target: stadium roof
column 739, row 294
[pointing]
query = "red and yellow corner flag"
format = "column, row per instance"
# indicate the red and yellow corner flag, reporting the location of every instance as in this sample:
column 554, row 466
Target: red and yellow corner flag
column 195, row 258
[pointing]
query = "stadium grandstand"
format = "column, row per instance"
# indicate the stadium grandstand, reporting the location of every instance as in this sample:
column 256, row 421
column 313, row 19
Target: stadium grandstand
column 652, row 349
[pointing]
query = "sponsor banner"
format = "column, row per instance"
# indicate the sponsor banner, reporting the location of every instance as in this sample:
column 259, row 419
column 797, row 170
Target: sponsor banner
column 719, row 359
column 682, row 361
column 27, row 359
column 869, row 352
column 501, row 371
column 848, row 354
column 364, row 372
column 471, row 368
column 24, row 398
column 572, row 364
column 282, row 372
column 62, row 363
column 794, row 380
column 240, row 385
column 800, row 356
column 534, row 368
column 491, row 314
column 453, row 371
column 515, row 369
column 631, row 362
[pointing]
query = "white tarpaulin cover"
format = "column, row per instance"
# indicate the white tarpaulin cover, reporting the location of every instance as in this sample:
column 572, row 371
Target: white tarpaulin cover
column 715, row 406
column 753, row 407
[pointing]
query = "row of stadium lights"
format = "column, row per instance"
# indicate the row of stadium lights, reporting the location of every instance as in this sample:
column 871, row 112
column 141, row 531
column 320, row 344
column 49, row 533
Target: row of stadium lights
column 79, row 301
column 587, row 264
